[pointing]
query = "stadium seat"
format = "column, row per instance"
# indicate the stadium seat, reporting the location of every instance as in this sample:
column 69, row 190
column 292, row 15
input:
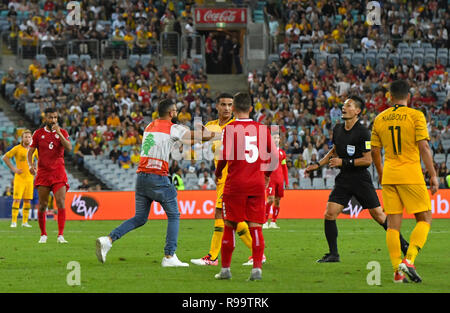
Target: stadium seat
column 319, row 57
column 426, row 45
column 394, row 58
column 439, row 158
column 294, row 47
column 380, row 56
column 419, row 51
column 419, row 58
column 443, row 58
column 86, row 58
column 318, row 183
column 406, row 56
column 305, row 183
column 406, row 50
column 446, row 144
column 273, row 58
column 329, row 183
column 331, row 57
column 430, row 58
column 357, row 58
column 132, row 60
column 73, row 58
column 430, row 51
column 42, row 59
column 145, row 59
column 371, row 57
column 402, row 45
column 415, row 45
column 442, row 51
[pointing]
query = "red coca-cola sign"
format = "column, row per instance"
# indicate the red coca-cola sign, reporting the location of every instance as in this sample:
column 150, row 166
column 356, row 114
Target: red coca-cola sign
column 228, row 16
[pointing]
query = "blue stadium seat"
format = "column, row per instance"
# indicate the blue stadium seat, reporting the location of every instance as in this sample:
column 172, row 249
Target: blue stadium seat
column 394, row 58
column 73, row 58
column 85, row 57
column 133, row 59
column 357, row 58
column 145, row 59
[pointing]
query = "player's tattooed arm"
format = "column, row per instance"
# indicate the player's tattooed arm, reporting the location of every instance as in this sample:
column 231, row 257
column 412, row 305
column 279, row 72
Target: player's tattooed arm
column 66, row 143
column 425, row 154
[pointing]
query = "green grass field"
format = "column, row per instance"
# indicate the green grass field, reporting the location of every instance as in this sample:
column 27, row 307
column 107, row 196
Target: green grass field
column 133, row 264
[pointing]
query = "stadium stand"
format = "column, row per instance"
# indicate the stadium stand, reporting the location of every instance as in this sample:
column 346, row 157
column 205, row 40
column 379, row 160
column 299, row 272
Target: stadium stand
column 319, row 55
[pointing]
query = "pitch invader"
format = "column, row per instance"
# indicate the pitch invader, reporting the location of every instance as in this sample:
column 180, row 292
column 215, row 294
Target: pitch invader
column 275, row 191
column 223, row 106
column 23, row 179
column 351, row 153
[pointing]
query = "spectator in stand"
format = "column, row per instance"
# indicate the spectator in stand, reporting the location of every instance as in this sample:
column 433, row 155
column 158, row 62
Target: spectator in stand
column 115, row 154
column 205, row 181
column 124, row 160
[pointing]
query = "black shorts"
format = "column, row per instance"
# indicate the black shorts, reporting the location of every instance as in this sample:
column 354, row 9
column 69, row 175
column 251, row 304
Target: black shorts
column 358, row 185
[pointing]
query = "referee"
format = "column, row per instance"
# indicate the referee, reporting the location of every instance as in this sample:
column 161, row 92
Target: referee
column 350, row 153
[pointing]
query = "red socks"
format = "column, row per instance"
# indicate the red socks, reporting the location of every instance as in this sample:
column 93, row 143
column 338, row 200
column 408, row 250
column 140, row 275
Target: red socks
column 41, row 218
column 61, row 221
column 257, row 246
column 276, row 211
column 228, row 243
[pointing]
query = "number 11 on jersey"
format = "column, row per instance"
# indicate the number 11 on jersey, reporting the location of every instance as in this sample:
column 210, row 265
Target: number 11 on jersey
column 397, row 146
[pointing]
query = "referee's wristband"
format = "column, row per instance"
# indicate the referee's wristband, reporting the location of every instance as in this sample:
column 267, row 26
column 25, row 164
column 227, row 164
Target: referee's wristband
column 348, row 163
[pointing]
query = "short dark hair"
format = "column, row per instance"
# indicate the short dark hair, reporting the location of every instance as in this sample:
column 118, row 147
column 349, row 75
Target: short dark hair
column 224, row 95
column 242, row 102
column 164, row 107
column 49, row 110
column 399, row 90
column 359, row 101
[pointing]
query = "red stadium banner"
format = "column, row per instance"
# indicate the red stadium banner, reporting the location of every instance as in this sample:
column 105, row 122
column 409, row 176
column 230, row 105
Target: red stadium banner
column 224, row 15
column 119, row 205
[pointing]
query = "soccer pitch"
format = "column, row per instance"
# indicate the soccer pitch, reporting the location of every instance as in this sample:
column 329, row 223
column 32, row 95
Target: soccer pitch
column 134, row 262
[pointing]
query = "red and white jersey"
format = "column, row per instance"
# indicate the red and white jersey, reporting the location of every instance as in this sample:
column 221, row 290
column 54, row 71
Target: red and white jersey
column 280, row 175
column 157, row 142
column 247, row 147
column 51, row 151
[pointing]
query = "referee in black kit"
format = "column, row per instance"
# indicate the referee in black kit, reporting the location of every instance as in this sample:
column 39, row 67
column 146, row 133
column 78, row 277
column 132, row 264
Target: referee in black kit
column 350, row 153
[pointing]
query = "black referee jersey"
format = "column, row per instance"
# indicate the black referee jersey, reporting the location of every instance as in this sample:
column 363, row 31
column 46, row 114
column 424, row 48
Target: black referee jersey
column 356, row 180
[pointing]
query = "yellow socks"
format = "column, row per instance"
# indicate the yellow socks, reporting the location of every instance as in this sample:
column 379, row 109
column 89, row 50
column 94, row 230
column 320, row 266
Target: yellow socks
column 244, row 234
column 14, row 214
column 393, row 244
column 216, row 240
column 417, row 240
column 25, row 212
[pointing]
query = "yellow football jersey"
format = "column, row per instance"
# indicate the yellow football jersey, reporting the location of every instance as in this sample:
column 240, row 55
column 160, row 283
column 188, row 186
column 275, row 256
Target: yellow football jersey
column 19, row 153
column 397, row 130
column 214, row 126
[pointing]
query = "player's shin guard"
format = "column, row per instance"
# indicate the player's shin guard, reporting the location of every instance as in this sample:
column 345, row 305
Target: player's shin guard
column 25, row 213
column 216, row 240
column 61, row 221
column 276, row 211
column 257, row 246
column 14, row 214
column 393, row 244
column 244, row 234
column 41, row 218
column 228, row 244
column 417, row 240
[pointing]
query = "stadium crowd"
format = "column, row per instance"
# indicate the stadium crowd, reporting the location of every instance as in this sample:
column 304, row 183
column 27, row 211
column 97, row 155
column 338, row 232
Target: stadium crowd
column 105, row 109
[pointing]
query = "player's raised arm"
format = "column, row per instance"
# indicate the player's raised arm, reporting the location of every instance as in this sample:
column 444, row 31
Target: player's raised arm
column 425, row 154
column 64, row 141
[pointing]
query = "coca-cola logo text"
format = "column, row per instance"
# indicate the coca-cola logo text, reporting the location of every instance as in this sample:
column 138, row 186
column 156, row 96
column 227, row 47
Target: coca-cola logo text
column 211, row 16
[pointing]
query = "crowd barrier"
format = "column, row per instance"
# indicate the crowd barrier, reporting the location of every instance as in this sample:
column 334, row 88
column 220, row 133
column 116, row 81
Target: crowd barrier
column 296, row 204
column 199, row 204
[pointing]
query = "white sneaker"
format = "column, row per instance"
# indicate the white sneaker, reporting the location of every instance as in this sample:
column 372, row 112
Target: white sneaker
column 265, row 225
column 250, row 261
column 13, row 225
column 103, row 244
column 43, row 239
column 273, row 225
column 61, row 239
column 26, row 225
column 173, row 262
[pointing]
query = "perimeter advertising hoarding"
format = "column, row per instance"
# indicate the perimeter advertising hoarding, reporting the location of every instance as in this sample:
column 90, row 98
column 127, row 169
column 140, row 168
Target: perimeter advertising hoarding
column 119, row 205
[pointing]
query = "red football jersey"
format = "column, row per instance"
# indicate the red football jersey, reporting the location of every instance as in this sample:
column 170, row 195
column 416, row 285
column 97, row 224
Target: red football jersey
column 280, row 175
column 51, row 153
column 247, row 148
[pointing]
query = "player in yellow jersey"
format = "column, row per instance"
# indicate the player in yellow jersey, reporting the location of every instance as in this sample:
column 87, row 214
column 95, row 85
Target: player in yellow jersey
column 402, row 133
column 23, row 180
column 223, row 106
